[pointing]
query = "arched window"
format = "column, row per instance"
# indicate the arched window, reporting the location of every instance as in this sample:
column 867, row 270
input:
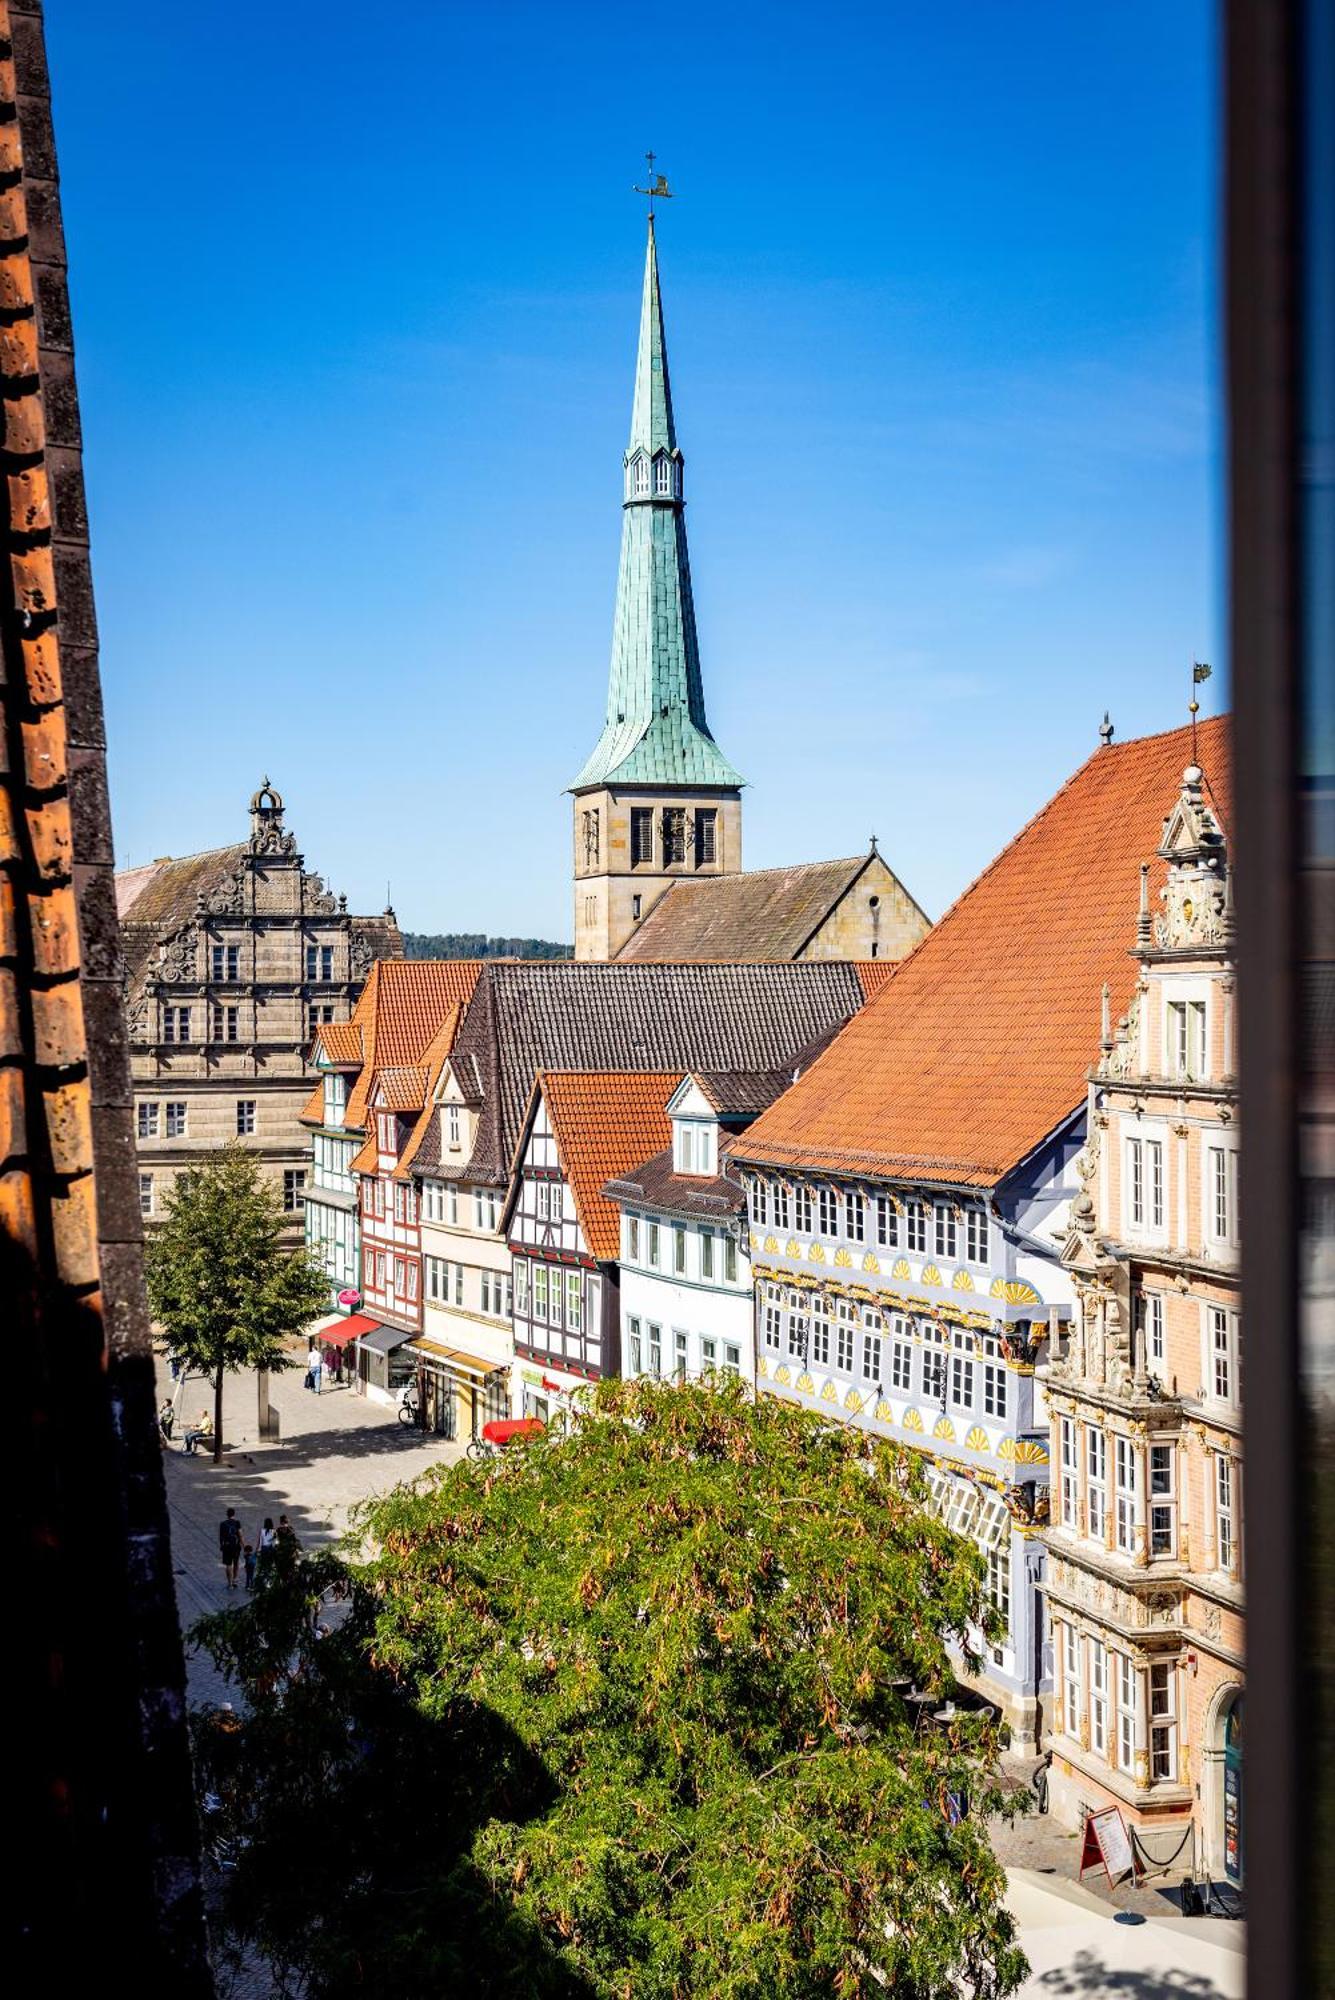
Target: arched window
column 641, row 476
column 663, row 476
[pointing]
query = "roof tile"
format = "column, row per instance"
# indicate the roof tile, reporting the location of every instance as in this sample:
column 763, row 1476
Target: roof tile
column 604, row 1122
column 978, row 1047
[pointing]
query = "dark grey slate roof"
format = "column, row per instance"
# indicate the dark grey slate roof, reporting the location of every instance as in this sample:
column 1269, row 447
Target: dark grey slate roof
column 570, row 1015
column 656, row 1186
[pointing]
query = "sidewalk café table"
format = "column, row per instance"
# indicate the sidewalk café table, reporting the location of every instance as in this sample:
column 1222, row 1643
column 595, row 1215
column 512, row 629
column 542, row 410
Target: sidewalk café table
column 502, row 1431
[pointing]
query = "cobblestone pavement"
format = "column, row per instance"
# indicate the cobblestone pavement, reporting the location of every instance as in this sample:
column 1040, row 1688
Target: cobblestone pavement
column 334, row 1449
column 1040, row 1842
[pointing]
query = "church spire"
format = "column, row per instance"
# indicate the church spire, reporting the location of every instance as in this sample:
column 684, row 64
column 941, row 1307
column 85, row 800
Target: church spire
column 656, row 732
column 651, row 425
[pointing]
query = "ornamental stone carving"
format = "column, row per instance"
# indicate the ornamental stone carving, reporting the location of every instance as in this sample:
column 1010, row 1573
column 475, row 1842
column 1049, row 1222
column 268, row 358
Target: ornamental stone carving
column 178, row 957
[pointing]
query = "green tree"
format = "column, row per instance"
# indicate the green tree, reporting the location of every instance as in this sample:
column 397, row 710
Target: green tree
column 626, row 1715
column 225, row 1291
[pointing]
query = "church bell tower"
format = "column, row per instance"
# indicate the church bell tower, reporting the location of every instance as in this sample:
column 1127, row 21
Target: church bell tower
column 657, row 802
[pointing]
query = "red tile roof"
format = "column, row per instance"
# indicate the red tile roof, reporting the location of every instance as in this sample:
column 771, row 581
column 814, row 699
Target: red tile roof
column 978, row 1047
column 605, row 1122
column 432, row 1064
column 874, row 973
column 340, row 1043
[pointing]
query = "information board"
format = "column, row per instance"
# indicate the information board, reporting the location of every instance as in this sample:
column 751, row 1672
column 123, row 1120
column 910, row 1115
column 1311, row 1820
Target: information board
column 1107, row 1843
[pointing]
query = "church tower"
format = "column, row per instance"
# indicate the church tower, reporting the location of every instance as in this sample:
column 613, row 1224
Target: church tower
column 657, row 801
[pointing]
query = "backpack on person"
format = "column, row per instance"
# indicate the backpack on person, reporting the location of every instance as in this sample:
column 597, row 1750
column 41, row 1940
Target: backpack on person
column 229, row 1539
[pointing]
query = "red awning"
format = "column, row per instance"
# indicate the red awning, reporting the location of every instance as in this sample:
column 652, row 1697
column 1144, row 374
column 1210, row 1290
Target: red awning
column 344, row 1331
column 504, row 1430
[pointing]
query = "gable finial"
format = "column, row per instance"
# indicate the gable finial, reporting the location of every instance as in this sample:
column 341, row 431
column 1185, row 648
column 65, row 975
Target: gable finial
column 1106, row 1034
column 657, row 190
column 1106, row 730
column 1201, row 670
column 1144, row 934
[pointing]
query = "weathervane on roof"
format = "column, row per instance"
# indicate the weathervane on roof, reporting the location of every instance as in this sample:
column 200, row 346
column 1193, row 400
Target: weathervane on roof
column 658, row 189
column 1200, row 671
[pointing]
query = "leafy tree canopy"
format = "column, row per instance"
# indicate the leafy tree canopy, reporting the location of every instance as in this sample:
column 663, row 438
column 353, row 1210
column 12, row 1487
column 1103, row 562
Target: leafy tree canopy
column 221, row 1283
column 625, row 1715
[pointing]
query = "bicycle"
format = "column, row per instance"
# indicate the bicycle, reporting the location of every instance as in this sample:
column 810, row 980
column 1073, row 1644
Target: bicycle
column 479, row 1449
column 410, row 1411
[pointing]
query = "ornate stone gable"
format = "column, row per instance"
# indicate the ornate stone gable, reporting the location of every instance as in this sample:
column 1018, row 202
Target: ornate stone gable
column 1197, row 903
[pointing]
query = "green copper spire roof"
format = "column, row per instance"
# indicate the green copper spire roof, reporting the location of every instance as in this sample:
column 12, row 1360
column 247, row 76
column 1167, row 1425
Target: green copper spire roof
column 656, row 732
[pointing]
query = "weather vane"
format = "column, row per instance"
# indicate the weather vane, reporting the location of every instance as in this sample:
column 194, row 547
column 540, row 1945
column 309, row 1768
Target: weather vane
column 658, row 189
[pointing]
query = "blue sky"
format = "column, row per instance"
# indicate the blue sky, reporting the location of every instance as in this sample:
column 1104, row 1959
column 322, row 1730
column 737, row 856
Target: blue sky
column 355, row 341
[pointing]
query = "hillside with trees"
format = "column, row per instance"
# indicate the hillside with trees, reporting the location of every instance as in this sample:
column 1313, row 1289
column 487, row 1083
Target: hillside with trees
column 472, row 944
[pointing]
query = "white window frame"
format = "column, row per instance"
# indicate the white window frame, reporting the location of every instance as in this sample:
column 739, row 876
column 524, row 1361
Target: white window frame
column 1098, row 1697
column 977, row 1236
column 1227, row 1546
column 1219, row 1193
column 247, row 1114
column 147, row 1195
column 1126, row 1493
column 1163, row 1722
column 887, row 1223
column 1096, row 1483
column 634, row 1345
column 1162, row 1499
column 148, row 1118
column 1221, row 1359
column 1125, row 1693
column 946, row 1230
column 1073, row 1679
column 915, row 1225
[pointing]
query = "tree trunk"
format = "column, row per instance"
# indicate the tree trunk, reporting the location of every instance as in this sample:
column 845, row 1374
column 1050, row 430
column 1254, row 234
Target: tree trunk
column 217, row 1415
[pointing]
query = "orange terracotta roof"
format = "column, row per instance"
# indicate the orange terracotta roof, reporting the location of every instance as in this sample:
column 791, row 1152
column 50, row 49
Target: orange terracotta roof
column 312, row 1111
column 340, row 1042
column 403, row 1006
column 979, row 1045
column 402, row 1088
column 874, row 973
column 605, row 1123
column 434, row 1063
column 365, row 1158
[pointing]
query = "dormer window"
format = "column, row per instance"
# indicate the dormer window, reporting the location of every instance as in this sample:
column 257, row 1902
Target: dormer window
column 663, row 476
column 640, row 478
column 693, row 1148
column 452, row 1134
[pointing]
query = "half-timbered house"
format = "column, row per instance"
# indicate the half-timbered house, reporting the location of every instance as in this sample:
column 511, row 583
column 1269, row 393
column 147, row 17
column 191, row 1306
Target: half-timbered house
column 562, row 1228
column 686, row 1298
column 528, row 1018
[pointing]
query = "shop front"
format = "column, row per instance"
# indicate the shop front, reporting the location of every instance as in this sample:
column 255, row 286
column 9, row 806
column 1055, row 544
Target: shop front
column 457, row 1392
column 384, row 1370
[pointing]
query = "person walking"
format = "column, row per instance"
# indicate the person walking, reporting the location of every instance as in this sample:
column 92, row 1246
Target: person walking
column 248, row 1564
column 314, row 1367
column 287, row 1533
column 267, row 1544
column 229, row 1545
